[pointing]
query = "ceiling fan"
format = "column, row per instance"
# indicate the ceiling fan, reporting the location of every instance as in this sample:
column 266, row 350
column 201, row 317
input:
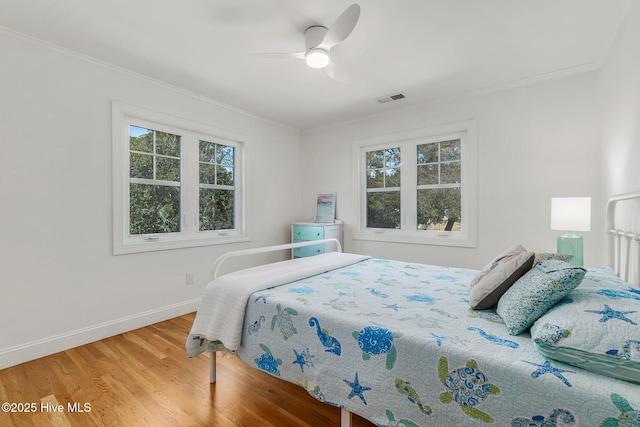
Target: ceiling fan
column 319, row 40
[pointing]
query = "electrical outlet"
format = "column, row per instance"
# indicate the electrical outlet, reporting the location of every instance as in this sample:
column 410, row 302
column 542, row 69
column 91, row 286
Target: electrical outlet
column 191, row 279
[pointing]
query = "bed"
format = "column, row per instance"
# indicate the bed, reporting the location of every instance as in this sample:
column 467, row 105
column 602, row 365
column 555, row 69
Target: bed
column 398, row 343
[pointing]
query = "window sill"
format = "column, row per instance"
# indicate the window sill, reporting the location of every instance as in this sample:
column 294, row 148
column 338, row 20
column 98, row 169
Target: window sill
column 139, row 246
column 435, row 239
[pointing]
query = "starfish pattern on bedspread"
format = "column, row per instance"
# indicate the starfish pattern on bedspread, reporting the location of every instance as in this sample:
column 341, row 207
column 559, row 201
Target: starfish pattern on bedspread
column 357, row 389
column 609, row 313
column 546, row 368
column 304, row 358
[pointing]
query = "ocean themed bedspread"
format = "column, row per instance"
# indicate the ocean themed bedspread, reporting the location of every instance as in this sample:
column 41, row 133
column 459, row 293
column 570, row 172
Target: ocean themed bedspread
column 397, row 343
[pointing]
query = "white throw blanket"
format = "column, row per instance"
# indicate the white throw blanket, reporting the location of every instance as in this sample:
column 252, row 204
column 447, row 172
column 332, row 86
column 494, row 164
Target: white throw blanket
column 221, row 312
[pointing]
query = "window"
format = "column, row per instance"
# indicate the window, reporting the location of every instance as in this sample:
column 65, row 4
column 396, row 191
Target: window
column 383, row 188
column 216, row 186
column 419, row 186
column 176, row 183
column 154, row 181
column 439, row 185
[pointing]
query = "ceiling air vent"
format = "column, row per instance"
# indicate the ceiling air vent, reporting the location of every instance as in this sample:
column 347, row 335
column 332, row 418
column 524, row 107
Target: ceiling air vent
column 389, row 98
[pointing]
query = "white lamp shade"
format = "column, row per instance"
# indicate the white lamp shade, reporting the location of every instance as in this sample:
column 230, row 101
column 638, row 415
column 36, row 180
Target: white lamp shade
column 571, row 213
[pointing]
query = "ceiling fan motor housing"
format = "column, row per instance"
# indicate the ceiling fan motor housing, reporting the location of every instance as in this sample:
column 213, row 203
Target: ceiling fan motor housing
column 313, row 36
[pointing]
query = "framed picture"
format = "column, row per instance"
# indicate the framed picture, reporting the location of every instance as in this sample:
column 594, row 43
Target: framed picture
column 325, row 207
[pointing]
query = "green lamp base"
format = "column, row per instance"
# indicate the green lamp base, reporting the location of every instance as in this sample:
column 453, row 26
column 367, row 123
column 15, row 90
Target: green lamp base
column 571, row 244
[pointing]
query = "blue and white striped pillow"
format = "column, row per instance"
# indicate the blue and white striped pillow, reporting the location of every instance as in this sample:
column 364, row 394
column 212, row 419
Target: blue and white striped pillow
column 597, row 327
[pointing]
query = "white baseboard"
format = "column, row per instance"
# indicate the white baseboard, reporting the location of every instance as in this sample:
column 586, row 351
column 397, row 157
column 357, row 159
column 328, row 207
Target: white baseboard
column 43, row 347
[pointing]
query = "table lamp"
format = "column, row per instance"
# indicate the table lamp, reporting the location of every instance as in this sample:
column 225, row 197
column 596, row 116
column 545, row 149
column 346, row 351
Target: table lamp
column 571, row 214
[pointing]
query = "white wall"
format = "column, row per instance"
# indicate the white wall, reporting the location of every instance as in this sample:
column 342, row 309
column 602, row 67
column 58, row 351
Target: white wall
column 534, row 142
column 60, row 285
column 59, row 282
column 620, row 97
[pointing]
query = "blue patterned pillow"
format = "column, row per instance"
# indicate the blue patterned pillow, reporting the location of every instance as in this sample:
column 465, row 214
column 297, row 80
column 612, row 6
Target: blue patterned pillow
column 536, row 292
column 597, row 327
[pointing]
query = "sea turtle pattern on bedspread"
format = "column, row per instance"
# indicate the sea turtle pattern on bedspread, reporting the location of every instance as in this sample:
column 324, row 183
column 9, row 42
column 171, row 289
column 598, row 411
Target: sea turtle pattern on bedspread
column 397, row 343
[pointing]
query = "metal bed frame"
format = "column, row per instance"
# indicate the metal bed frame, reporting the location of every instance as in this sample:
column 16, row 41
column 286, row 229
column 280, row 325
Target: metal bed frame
column 624, row 259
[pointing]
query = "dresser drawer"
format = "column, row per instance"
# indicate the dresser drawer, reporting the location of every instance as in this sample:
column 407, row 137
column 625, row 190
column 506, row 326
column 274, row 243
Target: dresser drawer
column 306, row 251
column 302, row 232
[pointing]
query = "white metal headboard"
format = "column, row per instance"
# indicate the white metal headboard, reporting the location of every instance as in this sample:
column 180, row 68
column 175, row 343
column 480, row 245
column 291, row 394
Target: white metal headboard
column 622, row 255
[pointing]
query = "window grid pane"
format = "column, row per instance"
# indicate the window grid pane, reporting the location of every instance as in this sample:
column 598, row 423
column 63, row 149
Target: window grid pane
column 439, row 209
column 450, row 173
column 140, row 165
column 140, row 139
column 167, row 144
column 428, row 174
column 167, row 169
column 383, row 209
column 207, row 174
column 154, row 209
column 450, row 150
column 392, row 157
column 375, row 159
column 217, row 211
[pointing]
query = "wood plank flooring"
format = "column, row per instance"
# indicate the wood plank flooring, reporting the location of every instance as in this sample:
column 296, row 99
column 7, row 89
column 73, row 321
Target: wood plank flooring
column 144, row 378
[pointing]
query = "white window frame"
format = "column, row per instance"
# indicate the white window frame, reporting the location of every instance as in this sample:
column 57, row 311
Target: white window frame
column 124, row 115
column 408, row 141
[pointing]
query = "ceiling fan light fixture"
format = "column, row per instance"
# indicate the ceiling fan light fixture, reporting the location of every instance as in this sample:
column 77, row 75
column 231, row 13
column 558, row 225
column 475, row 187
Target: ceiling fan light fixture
column 317, row 58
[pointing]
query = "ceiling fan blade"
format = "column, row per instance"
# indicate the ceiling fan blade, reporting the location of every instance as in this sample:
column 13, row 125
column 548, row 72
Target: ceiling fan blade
column 337, row 74
column 295, row 55
column 342, row 27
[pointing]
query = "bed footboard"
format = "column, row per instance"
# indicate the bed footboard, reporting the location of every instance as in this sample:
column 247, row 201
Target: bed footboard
column 254, row 251
column 345, row 416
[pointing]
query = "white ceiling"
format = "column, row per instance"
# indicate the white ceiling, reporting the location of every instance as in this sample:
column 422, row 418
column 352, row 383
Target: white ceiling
column 426, row 49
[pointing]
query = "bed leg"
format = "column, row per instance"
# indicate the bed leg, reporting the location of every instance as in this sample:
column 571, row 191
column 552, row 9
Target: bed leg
column 212, row 368
column 345, row 418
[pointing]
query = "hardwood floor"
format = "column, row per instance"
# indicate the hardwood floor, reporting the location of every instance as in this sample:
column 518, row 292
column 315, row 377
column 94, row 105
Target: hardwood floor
column 144, row 378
